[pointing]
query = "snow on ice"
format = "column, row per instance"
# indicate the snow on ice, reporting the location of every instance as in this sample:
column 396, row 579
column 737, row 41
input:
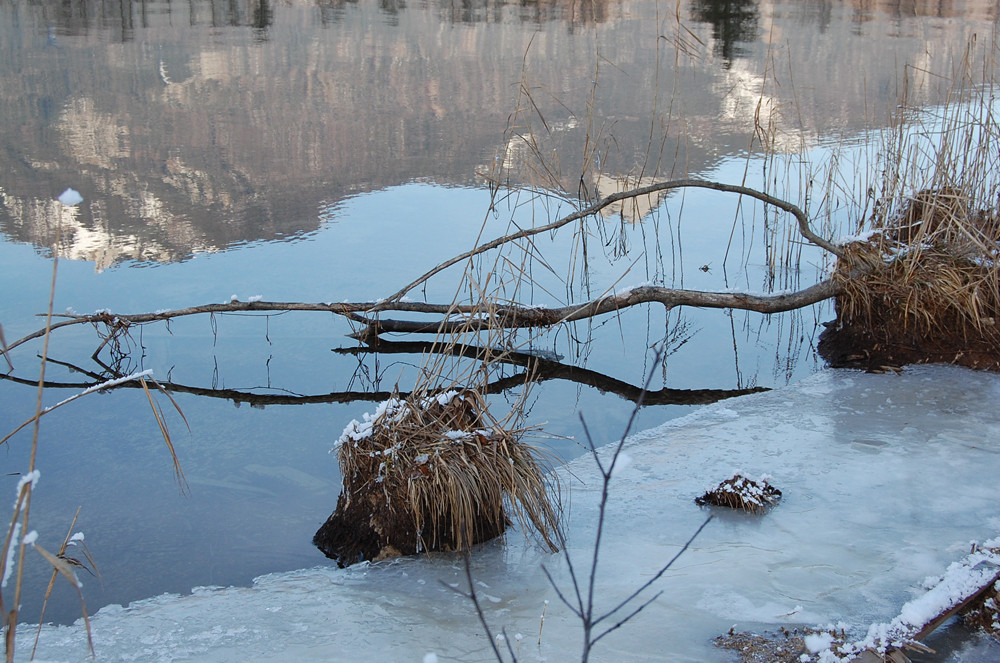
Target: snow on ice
column 886, row 480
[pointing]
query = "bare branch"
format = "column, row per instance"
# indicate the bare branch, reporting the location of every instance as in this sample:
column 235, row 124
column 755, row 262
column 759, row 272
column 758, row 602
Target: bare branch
column 471, row 595
column 803, row 224
column 501, row 316
column 511, row 317
column 631, row 597
column 562, row 597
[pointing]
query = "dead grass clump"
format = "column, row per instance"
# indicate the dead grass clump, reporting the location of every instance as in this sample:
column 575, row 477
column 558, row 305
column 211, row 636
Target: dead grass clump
column 740, row 492
column 434, row 473
column 924, row 286
column 943, row 218
column 926, row 289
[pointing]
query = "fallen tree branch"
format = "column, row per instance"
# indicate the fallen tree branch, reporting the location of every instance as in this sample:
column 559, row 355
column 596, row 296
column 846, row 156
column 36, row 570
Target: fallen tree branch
column 495, row 316
column 457, row 318
column 511, row 317
column 508, row 317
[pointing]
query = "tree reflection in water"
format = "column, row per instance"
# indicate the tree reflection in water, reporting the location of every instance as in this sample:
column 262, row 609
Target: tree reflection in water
column 734, row 22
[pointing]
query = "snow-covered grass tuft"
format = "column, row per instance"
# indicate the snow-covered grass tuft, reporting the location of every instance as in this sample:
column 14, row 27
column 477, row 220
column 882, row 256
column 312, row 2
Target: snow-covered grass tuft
column 742, row 492
column 434, row 471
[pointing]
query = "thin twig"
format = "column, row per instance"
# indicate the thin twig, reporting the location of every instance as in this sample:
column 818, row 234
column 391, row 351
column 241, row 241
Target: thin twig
column 471, row 595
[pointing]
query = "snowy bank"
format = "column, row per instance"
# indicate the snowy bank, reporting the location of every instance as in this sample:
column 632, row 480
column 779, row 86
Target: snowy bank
column 886, row 480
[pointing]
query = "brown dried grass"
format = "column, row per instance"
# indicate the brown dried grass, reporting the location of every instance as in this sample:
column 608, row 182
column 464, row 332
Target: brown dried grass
column 439, row 473
column 928, row 275
column 928, row 291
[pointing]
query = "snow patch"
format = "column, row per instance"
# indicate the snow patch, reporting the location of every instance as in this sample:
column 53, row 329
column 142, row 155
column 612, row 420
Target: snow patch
column 817, row 642
column 32, row 478
column 11, row 551
column 70, row 198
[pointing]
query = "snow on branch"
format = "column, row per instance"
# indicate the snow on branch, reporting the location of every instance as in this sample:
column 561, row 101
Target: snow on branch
column 962, row 582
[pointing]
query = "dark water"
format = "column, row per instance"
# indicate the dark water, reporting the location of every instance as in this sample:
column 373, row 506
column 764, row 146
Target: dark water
column 331, row 151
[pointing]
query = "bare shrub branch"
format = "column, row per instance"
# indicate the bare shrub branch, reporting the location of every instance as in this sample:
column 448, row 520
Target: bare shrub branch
column 583, row 604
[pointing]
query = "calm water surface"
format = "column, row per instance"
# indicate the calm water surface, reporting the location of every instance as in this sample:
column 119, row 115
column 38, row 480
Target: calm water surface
column 330, row 151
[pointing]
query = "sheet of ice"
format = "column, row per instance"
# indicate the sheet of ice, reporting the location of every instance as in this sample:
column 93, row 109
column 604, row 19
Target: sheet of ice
column 886, row 480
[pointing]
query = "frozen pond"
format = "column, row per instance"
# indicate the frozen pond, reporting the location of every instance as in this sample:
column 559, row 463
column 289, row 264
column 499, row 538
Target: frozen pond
column 886, row 480
column 326, row 151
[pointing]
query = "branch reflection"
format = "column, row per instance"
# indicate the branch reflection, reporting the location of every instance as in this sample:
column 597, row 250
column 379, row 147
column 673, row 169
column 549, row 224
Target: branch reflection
column 534, row 368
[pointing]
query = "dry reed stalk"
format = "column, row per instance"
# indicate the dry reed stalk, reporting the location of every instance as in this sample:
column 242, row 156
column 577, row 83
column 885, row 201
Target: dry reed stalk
column 924, row 283
column 19, row 536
